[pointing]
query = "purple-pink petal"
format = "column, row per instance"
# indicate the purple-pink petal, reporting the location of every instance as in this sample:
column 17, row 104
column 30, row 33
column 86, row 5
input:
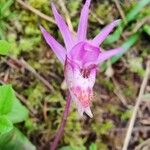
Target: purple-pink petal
column 58, row 49
column 82, row 27
column 67, row 35
column 84, row 53
column 104, row 33
column 106, row 55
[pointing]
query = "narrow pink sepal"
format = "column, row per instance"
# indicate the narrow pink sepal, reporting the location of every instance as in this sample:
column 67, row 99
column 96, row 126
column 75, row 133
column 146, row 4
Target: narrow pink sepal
column 104, row 33
column 106, row 55
column 58, row 49
column 82, row 27
column 67, row 36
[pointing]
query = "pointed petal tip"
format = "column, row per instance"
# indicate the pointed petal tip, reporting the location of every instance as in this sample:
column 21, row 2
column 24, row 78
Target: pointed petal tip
column 52, row 3
column 88, row 112
column 117, row 21
column 53, row 7
column 66, row 34
column 105, row 32
column 83, row 23
column 88, row 2
column 80, row 113
column 110, row 53
column 42, row 28
column 57, row 48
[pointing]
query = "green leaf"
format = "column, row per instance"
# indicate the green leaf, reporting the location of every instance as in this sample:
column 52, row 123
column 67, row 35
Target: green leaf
column 18, row 112
column 4, row 47
column 136, row 9
column 126, row 46
column 11, row 106
column 5, row 125
column 146, row 28
column 129, row 17
column 15, row 140
column 93, row 147
column 6, row 99
column 6, row 6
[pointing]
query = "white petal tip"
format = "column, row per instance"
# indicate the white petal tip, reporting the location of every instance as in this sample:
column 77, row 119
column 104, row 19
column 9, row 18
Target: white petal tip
column 117, row 21
column 80, row 114
column 88, row 112
column 41, row 28
column 52, row 5
column 53, row 8
column 80, row 111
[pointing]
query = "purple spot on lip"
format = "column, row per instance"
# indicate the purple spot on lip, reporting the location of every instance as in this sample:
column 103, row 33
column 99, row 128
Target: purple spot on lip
column 86, row 71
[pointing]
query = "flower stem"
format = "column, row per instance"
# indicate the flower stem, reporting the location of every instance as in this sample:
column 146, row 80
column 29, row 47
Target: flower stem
column 62, row 125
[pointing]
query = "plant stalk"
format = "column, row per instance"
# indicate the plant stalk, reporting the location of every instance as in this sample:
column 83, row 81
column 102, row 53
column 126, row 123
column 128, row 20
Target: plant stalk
column 62, row 125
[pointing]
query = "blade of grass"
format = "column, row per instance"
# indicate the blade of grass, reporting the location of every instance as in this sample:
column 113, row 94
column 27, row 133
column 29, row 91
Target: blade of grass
column 146, row 28
column 4, row 47
column 6, row 5
column 126, row 46
column 129, row 17
column 136, row 108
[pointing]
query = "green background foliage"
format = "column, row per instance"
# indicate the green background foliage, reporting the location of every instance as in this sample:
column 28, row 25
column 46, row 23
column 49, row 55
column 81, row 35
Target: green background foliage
column 12, row 112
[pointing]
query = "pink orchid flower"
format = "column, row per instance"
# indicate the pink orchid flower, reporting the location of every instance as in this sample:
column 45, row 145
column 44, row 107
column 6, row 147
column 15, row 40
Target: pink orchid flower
column 80, row 57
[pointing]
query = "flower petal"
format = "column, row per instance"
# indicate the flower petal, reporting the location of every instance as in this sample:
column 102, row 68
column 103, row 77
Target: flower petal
column 87, row 110
column 104, row 33
column 58, row 49
column 82, row 28
column 106, row 55
column 67, row 36
column 84, row 53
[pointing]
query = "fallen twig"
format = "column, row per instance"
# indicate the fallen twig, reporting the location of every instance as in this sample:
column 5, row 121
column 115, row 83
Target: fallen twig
column 64, row 9
column 138, row 101
column 24, row 64
column 119, row 93
column 35, row 11
column 144, row 145
column 140, row 24
column 120, row 11
column 97, row 18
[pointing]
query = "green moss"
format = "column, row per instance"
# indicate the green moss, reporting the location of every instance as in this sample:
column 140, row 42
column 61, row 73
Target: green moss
column 106, row 83
column 103, row 128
